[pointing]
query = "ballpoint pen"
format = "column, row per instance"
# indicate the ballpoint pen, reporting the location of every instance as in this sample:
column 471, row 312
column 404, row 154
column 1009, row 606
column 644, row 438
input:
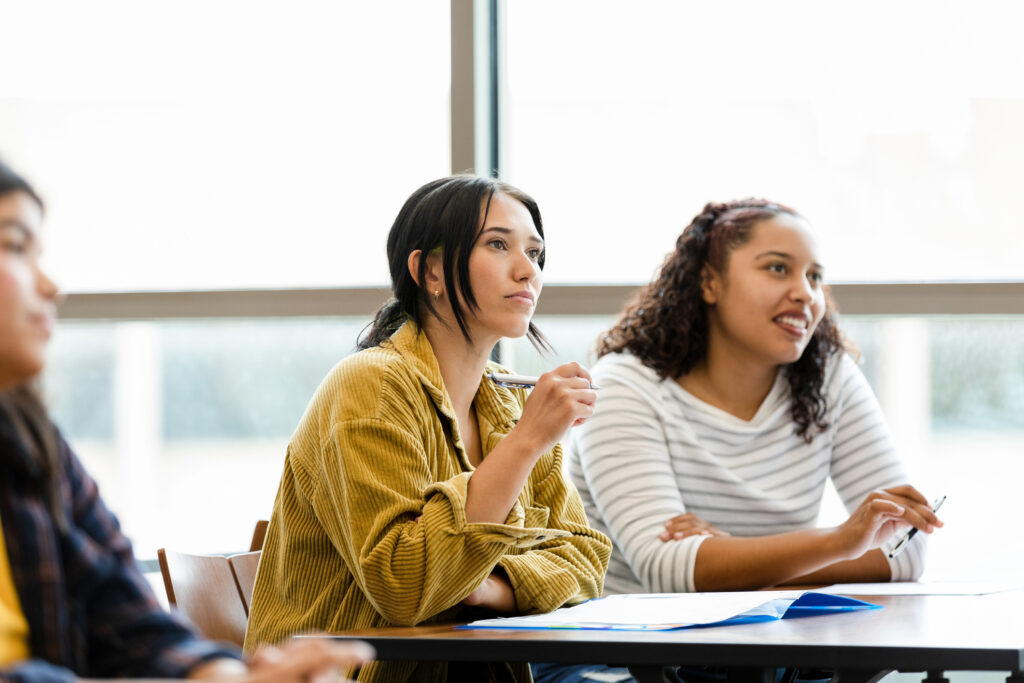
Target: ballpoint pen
column 518, row 381
column 910, row 534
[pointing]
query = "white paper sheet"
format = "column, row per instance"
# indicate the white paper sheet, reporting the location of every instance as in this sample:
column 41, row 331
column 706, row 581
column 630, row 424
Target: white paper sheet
column 923, row 588
column 652, row 611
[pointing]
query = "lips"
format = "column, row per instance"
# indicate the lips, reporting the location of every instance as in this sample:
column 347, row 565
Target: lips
column 798, row 322
column 522, row 297
column 44, row 322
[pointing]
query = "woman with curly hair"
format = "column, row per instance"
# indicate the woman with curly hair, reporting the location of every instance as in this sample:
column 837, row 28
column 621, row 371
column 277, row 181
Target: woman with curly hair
column 727, row 402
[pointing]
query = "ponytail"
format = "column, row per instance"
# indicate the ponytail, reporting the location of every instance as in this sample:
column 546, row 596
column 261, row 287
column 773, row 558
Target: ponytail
column 385, row 323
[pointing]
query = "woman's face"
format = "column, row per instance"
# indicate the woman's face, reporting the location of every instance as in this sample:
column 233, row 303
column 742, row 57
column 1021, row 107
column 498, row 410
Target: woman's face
column 769, row 300
column 504, row 271
column 27, row 296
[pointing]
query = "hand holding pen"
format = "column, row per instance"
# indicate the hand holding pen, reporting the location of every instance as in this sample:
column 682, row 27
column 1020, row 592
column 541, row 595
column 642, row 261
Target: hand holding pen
column 910, row 534
column 560, row 399
column 882, row 514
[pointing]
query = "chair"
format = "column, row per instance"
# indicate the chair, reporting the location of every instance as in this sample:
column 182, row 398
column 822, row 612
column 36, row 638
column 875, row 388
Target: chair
column 204, row 589
column 244, row 567
column 258, row 534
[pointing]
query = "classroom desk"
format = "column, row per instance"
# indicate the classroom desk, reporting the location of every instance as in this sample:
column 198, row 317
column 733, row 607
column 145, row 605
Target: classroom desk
column 912, row 633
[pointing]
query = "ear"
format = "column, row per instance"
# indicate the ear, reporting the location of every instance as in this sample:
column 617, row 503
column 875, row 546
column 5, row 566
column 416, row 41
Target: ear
column 710, row 284
column 433, row 275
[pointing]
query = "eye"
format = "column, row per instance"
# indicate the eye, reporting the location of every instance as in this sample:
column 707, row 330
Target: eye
column 534, row 254
column 13, row 244
column 777, row 267
column 497, row 244
column 816, row 277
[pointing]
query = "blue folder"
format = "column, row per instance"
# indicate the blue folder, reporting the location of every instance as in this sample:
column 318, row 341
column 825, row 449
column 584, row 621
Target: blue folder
column 804, row 605
column 807, row 605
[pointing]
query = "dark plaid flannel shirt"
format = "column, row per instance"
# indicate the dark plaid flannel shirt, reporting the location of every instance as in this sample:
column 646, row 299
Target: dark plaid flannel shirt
column 89, row 610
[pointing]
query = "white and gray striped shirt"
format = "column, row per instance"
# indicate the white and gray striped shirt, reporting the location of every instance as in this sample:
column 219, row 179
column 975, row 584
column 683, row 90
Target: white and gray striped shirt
column 652, row 451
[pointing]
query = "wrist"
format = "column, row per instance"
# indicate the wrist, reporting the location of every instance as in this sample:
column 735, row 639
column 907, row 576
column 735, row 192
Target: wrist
column 521, row 440
column 836, row 544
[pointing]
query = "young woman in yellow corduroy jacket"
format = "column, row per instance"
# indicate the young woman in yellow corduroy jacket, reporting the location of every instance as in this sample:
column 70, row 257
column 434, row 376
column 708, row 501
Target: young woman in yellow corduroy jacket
column 414, row 486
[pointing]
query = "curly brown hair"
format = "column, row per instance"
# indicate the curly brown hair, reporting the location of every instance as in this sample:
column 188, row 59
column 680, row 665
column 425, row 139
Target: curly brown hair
column 665, row 325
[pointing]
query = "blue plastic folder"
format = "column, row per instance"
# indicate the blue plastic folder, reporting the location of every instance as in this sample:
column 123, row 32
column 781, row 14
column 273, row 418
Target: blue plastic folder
column 673, row 611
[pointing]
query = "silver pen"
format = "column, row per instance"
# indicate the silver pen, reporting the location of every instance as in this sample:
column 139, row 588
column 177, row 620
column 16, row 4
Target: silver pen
column 910, row 534
column 518, row 381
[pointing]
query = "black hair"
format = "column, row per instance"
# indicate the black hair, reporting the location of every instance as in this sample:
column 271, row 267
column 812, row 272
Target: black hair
column 666, row 325
column 444, row 214
column 12, row 182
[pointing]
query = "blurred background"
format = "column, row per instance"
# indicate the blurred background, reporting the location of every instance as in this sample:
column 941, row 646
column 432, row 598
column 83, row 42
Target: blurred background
column 221, row 176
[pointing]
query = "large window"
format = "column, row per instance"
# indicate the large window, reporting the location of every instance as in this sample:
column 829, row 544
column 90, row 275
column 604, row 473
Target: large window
column 894, row 127
column 185, row 424
column 223, row 143
column 226, row 144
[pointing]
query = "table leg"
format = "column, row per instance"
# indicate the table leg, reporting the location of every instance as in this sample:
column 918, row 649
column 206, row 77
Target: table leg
column 935, row 677
column 1015, row 677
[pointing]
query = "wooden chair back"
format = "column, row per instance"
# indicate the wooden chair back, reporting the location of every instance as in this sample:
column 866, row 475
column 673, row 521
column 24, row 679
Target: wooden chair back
column 244, row 566
column 258, row 534
column 204, row 589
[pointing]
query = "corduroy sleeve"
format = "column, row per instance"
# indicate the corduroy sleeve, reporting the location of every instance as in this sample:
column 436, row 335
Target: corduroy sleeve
column 403, row 534
column 568, row 569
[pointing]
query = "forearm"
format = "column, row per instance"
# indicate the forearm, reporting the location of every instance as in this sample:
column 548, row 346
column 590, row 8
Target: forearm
column 729, row 563
column 871, row 567
column 499, row 479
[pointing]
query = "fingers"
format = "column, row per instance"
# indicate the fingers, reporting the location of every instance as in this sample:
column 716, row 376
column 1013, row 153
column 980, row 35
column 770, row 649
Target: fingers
column 307, row 657
column 688, row 524
column 573, row 369
column 918, row 511
column 264, row 656
column 908, row 491
column 884, row 507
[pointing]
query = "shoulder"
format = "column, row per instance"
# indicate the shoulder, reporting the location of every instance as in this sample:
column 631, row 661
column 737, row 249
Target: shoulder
column 623, row 368
column 367, row 384
column 844, row 373
column 625, row 380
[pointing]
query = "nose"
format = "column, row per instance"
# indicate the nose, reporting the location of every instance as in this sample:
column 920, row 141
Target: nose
column 803, row 289
column 525, row 268
column 46, row 287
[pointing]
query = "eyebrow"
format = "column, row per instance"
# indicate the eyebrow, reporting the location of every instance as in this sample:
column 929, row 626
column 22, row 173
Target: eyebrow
column 784, row 255
column 509, row 231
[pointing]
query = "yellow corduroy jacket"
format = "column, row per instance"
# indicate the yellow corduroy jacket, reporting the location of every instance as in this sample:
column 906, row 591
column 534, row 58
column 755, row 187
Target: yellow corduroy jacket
column 369, row 525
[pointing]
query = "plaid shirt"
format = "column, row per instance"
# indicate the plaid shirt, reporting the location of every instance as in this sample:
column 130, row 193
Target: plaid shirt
column 90, row 612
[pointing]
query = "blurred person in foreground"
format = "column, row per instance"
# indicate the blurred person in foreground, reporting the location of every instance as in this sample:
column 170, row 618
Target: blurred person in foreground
column 72, row 603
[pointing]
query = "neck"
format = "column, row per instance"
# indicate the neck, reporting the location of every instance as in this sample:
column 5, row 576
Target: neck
column 730, row 379
column 461, row 362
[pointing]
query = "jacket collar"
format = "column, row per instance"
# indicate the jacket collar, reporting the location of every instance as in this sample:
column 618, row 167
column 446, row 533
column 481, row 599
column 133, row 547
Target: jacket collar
column 497, row 408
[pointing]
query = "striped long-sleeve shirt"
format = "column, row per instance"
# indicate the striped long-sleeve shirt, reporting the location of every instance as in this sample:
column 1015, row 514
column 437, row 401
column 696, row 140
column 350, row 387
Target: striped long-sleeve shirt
column 652, row 451
column 369, row 527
